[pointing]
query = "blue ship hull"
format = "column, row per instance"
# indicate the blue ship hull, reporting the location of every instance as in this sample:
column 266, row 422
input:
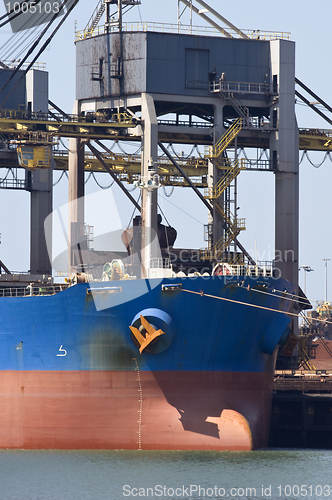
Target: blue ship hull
column 73, row 375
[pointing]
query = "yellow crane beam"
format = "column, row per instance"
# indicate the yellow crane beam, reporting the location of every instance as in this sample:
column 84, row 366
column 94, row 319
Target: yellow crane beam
column 20, row 123
column 312, row 139
column 132, row 163
column 128, row 167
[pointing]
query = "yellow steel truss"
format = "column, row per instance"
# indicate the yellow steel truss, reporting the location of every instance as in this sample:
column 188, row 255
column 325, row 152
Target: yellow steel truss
column 20, row 122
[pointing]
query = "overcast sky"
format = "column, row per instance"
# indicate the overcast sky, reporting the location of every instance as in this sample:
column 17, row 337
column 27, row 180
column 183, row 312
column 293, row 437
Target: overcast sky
column 311, row 32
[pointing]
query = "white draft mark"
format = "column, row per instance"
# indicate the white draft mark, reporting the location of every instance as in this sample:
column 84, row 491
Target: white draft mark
column 63, row 352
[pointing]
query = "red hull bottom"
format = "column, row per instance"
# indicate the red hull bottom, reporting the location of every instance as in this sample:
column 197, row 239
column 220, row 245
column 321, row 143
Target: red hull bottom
column 135, row 410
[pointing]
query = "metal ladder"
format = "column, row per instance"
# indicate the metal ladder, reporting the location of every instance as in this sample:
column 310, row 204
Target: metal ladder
column 241, row 110
column 95, row 17
column 231, row 173
column 216, row 150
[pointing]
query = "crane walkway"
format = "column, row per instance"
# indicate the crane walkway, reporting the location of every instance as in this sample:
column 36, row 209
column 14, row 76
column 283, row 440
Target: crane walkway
column 20, row 122
column 21, row 125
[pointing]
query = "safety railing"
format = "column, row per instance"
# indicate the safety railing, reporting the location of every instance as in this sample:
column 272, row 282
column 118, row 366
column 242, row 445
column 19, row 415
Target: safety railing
column 13, row 65
column 241, row 87
column 265, row 165
column 31, row 291
column 316, row 132
column 232, row 171
column 121, row 160
column 220, row 247
column 160, row 263
column 174, row 180
column 229, row 218
column 117, row 159
column 314, row 374
column 181, row 29
column 182, row 123
column 13, row 184
column 225, row 140
column 13, row 114
column 261, row 269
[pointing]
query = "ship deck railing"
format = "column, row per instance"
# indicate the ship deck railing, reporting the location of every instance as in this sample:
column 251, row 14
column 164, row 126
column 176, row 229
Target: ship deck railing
column 160, row 263
column 262, row 268
column 31, row 291
column 180, row 29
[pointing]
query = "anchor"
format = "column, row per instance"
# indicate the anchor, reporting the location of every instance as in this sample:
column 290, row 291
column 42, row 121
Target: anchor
column 151, row 334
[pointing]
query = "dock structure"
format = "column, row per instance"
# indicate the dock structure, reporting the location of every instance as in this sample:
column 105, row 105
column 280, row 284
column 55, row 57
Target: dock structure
column 302, row 409
column 234, row 84
column 30, row 97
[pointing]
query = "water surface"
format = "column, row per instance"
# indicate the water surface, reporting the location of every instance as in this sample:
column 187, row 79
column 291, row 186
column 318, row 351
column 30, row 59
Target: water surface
column 168, row 475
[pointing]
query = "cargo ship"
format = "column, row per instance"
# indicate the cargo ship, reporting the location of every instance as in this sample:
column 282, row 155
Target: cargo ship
column 74, row 374
column 151, row 354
